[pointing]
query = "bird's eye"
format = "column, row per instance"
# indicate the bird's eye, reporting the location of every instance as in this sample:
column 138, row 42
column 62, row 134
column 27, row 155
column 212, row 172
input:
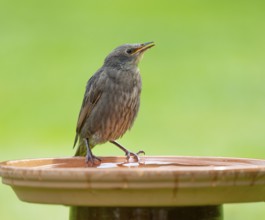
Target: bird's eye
column 129, row 51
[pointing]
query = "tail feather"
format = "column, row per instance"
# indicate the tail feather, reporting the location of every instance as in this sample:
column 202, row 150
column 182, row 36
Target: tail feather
column 76, row 139
column 81, row 149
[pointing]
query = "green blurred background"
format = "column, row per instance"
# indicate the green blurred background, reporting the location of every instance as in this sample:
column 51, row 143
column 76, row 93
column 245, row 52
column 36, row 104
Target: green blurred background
column 203, row 83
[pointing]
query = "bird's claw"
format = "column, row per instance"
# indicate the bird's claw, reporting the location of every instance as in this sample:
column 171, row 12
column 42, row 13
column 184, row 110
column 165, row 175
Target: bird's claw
column 128, row 154
column 140, row 152
column 92, row 160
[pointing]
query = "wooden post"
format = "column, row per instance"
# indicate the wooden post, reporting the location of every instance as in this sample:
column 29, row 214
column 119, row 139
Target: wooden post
column 146, row 213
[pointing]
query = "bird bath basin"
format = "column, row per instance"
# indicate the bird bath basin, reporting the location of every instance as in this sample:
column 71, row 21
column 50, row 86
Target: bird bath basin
column 161, row 184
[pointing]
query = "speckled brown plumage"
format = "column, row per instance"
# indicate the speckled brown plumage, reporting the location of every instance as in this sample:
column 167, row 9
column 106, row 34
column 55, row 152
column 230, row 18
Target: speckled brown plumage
column 111, row 101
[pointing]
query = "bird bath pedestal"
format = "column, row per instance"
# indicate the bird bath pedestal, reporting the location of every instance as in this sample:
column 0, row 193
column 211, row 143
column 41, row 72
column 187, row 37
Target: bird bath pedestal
column 192, row 188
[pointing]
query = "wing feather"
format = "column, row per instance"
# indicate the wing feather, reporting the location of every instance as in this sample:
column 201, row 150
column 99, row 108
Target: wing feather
column 92, row 96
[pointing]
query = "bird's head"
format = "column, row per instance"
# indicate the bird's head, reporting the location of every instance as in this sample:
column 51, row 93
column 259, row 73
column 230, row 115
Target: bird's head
column 127, row 55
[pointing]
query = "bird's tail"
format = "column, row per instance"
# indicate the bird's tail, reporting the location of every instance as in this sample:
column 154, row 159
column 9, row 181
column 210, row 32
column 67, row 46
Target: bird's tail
column 76, row 139
column 81, row 149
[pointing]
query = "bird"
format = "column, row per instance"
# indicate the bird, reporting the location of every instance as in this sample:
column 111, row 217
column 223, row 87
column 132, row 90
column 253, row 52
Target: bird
column 111, row 102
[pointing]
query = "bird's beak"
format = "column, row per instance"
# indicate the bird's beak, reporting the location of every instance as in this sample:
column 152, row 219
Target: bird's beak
column 143, row 47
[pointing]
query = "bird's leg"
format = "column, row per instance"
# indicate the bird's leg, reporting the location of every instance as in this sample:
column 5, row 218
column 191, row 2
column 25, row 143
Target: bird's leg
column 127, row 152
column 90, row 158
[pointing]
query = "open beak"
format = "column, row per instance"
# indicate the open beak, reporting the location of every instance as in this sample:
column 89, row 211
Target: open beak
column 143, row 47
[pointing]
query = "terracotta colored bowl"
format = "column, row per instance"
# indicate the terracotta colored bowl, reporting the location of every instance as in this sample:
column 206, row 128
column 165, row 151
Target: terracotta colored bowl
column 156, row 181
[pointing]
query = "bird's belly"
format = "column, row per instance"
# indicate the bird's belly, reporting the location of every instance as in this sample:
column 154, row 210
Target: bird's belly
column 115, row 117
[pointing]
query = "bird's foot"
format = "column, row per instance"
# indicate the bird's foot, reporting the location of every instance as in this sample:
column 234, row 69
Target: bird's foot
column 92, row 160
column 128, row 154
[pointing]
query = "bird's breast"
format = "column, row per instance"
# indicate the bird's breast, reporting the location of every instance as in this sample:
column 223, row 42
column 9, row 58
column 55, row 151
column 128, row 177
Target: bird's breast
column 116, row 110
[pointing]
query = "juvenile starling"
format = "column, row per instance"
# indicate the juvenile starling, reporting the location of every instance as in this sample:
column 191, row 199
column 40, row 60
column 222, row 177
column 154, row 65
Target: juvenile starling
column 111, row 101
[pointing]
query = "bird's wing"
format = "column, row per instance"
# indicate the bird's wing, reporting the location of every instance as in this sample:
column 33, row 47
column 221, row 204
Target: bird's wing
column 92, row 96
column 87, row 107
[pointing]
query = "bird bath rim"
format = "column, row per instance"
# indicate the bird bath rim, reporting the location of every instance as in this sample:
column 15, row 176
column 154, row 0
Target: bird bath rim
column 159, row 180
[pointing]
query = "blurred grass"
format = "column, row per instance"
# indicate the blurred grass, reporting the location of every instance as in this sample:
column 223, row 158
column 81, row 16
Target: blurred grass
column 203, row 83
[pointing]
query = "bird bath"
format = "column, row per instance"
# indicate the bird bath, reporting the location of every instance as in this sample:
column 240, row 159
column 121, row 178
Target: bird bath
column 160, row 187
